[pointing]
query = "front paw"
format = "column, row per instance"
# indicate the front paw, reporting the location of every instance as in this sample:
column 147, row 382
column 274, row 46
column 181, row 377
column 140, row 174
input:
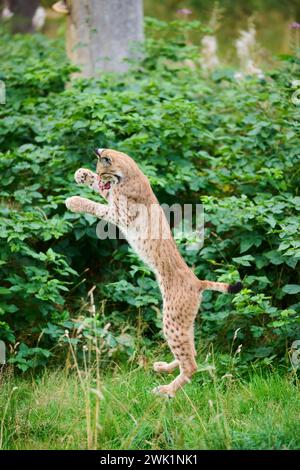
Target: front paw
column 74, row 203
column 84, row 176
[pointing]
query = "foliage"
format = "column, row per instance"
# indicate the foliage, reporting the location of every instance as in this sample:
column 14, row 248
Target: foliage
column 232, row 146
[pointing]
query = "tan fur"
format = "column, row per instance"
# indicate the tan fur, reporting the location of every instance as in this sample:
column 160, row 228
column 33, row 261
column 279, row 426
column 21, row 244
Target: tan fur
column 129, row 193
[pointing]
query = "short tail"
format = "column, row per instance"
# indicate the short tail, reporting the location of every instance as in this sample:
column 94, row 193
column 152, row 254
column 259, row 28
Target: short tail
column 221, row 286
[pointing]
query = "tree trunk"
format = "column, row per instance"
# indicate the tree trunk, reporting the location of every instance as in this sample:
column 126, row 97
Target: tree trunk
column 101, row 33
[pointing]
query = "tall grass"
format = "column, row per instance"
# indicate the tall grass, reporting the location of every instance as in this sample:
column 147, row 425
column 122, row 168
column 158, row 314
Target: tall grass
column 85, row 406
column 74, row 410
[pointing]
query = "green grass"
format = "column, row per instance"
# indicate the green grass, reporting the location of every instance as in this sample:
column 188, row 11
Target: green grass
column 58, row 411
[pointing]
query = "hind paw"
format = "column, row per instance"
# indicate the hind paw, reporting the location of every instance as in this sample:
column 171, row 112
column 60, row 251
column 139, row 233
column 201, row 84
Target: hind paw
column 164, row 390
column 160, row 367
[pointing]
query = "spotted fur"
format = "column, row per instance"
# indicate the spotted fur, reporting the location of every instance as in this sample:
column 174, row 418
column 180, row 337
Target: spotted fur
column 130, row 201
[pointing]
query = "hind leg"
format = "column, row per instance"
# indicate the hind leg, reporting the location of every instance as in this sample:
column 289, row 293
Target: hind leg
column 180, row 309
column 184, row 353
column 171, row 366
column 192, row 338
column 179, row 333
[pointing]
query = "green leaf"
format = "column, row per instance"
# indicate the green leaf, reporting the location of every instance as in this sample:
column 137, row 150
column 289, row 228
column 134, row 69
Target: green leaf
column 243, row 260
column 291, row 288
column 275, row 257
column 248, row 241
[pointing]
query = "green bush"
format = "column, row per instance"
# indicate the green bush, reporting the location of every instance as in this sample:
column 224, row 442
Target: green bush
column 232, row 146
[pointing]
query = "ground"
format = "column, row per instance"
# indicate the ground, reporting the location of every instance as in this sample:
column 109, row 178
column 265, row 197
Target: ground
column 56, row 410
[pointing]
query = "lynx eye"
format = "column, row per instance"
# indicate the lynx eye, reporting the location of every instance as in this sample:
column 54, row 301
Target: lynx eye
column 106, row 161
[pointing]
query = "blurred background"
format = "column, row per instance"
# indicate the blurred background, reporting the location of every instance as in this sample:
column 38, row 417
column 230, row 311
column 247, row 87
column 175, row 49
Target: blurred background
column 272, row 19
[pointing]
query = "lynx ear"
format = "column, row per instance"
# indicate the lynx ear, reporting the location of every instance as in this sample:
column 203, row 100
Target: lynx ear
column 97, row 152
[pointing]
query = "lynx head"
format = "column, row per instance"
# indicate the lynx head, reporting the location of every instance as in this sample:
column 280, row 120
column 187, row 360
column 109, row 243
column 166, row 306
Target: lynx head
column 114, row 168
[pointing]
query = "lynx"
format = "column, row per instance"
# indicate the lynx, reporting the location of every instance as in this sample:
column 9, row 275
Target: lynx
column 130, row 201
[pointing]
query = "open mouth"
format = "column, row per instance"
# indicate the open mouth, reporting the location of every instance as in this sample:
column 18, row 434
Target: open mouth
column 104, row 186
column 106, row 180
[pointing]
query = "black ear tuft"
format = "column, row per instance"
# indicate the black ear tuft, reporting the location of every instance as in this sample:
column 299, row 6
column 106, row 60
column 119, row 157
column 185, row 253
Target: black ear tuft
column 235, row 288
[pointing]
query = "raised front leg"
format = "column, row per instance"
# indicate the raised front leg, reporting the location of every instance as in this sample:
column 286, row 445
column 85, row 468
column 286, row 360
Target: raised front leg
column 91, row 179
column 81, row 204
